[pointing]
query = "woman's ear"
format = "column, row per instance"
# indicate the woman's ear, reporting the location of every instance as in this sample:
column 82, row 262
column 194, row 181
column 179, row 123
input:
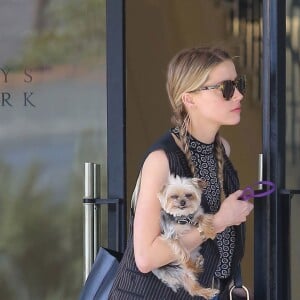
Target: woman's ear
column 187, row 99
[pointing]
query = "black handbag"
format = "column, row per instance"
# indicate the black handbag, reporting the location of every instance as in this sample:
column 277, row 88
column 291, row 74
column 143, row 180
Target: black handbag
column 102, row 275
column 238, row 291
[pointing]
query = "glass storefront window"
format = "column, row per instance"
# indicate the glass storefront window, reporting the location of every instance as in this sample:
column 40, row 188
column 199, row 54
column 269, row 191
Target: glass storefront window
column 292, row 95
column 52, row 120
column 295, row 247
column 293, row 133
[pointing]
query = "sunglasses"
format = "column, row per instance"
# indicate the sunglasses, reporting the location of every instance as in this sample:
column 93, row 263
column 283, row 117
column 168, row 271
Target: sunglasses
column 228, row 87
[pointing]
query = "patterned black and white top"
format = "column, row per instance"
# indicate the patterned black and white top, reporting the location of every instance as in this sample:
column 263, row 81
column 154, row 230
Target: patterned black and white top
column 206, row 167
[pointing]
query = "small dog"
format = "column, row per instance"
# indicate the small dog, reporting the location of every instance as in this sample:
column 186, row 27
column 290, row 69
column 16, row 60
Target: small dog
column 180, row 200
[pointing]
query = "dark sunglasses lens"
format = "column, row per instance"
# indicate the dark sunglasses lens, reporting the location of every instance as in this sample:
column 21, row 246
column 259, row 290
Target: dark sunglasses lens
column 228, row 89
column 241, row 85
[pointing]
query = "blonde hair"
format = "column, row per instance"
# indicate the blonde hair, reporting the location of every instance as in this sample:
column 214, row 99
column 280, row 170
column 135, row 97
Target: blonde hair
column 188, row 71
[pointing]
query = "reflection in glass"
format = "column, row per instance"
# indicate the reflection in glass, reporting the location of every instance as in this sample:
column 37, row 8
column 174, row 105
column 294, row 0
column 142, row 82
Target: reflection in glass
column 295, row 247
column 293, row 95
column 52, row 120
column 293, row 133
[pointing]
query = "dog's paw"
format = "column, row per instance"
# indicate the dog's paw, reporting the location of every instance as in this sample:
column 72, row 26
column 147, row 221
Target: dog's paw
column 208, row 293
column 199, row 262
column 214, row 292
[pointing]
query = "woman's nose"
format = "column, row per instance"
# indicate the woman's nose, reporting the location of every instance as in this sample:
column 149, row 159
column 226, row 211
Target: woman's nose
column 237, row 95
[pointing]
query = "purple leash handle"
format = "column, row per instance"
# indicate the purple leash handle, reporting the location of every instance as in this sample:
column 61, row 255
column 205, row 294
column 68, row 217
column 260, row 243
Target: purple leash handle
column 249, row 192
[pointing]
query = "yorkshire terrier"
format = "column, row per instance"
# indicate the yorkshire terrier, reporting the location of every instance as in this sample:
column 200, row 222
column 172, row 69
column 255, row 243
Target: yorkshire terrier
column 181, row 211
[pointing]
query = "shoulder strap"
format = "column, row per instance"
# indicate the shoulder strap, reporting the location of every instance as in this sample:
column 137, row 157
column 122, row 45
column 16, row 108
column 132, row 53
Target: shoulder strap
column 237, row 278
column 135, row 193
column 177, row 162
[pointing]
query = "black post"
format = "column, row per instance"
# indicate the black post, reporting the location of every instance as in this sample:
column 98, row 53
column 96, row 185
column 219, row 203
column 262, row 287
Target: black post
column 116, row 141
column 271, row 280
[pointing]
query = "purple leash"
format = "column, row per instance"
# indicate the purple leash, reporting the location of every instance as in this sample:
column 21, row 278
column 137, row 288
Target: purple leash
column 249, row 192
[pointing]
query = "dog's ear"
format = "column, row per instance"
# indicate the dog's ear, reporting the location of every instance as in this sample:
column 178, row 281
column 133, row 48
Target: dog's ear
column 199, row 183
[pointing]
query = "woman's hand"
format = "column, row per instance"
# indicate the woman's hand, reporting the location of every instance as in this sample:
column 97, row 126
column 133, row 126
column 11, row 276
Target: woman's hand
column 232, row 212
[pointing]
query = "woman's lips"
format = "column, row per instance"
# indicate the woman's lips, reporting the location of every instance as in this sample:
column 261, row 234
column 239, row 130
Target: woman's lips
column 237, row 109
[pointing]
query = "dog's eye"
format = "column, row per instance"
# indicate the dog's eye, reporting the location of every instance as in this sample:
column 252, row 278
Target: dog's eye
column 188, row 195
column 174, row 197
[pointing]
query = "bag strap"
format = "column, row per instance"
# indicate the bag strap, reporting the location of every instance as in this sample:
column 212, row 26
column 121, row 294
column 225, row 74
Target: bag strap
column 238, row 288
column 237, row 277
column 135, row 193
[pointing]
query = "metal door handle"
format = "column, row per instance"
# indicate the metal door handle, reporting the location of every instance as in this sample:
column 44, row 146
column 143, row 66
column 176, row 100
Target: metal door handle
column 260, row 170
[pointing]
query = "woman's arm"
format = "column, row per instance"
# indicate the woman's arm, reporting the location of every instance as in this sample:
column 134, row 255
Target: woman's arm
column 149, row 249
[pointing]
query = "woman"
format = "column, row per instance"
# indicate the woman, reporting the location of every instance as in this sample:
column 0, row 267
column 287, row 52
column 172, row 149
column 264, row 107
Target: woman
column 205, row 93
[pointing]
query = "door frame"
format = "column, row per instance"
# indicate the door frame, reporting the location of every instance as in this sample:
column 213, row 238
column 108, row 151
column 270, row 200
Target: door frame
column 116, row 123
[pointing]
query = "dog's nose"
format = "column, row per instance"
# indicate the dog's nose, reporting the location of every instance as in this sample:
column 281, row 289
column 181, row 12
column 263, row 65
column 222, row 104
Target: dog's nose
column 182, row 202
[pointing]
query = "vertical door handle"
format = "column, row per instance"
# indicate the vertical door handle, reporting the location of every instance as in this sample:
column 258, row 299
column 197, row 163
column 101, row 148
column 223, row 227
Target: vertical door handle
column 260, row 169
column 88, row 222
column 97, row 195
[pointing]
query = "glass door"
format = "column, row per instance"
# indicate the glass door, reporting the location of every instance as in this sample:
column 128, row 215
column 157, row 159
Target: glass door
column 155, row 31
column 276, row 220
column 53, row 118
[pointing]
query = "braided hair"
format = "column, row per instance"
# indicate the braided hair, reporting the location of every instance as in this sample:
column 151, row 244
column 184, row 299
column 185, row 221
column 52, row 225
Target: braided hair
column 188, row 71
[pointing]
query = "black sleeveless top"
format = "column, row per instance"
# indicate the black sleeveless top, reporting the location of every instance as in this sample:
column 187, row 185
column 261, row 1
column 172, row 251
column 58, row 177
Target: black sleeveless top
column 131, row 284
